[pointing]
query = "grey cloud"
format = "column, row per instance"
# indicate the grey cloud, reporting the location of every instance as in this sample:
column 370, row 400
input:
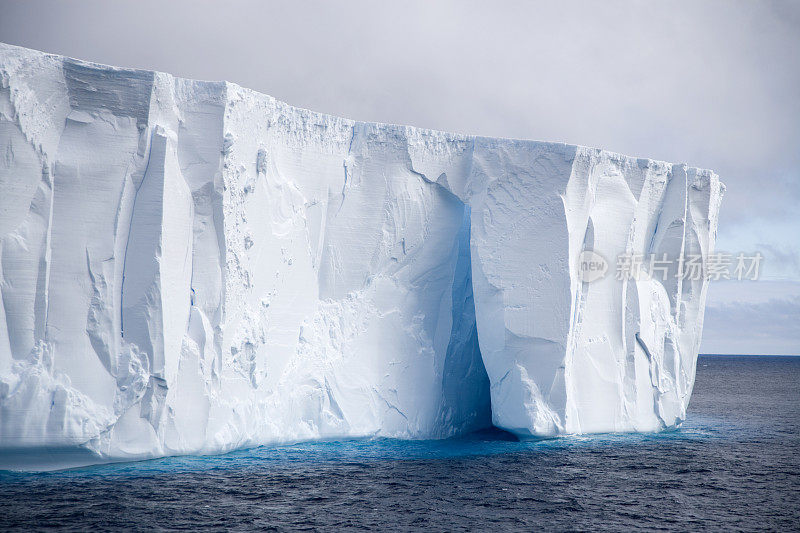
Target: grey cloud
column 752, row 317
column 771, row 327
column 788, row 259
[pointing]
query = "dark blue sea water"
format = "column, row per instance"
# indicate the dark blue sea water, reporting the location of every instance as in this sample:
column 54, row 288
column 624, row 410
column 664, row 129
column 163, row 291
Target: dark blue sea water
column 734, row 465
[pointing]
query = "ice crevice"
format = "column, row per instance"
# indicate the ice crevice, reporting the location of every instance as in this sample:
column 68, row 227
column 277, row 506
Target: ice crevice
column 194, row 267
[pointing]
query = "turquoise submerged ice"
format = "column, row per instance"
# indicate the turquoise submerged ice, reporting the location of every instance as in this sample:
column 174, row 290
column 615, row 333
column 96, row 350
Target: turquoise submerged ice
column 194, row 267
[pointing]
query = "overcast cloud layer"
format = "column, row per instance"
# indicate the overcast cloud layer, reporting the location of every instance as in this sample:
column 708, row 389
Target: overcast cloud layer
column 712, row 84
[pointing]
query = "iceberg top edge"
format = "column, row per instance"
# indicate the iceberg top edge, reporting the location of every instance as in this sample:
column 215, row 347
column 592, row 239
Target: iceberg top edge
column 10, row 54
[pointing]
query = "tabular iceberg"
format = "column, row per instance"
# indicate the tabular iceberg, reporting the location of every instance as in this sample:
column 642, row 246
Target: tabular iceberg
column 193, row 267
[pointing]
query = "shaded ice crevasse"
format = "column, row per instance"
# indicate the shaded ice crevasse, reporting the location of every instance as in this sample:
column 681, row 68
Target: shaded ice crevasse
column 193, row 267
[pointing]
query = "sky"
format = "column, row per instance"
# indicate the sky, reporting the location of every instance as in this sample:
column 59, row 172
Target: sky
column 715, row 84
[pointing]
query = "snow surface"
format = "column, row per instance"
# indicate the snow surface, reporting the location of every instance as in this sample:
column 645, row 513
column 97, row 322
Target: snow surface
column 194, row 267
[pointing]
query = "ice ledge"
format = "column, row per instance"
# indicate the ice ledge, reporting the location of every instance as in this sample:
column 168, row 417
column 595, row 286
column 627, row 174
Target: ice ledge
column 192, row 267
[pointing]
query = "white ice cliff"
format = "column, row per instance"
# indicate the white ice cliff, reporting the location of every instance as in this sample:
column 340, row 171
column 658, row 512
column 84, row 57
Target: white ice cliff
column 193, row 267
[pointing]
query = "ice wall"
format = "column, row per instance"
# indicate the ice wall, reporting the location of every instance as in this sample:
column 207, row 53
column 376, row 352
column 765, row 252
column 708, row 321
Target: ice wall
column 192, row 267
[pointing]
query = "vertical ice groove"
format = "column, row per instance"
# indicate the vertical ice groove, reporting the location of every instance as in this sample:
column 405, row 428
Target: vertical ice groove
column 192, row 266
column 137, row 188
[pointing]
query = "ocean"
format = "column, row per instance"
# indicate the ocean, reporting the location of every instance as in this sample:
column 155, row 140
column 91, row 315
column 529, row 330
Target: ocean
column 733, row 465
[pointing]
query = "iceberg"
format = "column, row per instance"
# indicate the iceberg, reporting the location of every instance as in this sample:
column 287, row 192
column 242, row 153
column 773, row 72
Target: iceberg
column 195, row 267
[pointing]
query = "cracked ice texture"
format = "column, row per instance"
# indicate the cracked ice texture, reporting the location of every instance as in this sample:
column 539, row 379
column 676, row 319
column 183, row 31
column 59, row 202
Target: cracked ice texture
column 193, row 267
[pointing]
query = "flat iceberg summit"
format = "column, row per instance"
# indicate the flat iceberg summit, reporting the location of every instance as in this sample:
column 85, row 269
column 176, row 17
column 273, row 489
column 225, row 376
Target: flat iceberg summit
column 194, row 267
